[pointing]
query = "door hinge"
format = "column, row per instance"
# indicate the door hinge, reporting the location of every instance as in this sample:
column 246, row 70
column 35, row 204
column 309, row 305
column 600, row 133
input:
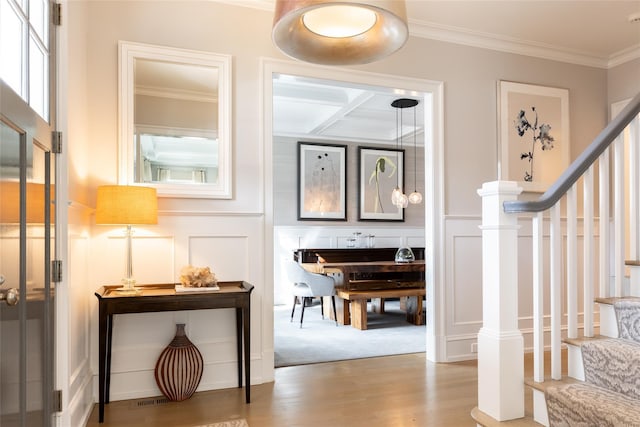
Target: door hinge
column 57, row 401
column 56, row 16
column 56, row 142
column 56, row 271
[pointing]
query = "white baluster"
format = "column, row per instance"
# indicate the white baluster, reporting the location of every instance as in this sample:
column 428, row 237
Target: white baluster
column 603, row 211
column 572, row 263
column 538, row 297
column 634, row 205
column 555, row 265
column 634, row 188
column 618, row 214
column 588, row 260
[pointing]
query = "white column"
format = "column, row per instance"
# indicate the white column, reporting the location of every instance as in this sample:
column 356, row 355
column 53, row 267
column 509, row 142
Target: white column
column 500, row 343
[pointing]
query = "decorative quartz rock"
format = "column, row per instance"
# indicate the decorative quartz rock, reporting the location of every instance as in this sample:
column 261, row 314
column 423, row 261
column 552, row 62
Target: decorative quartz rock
column 197, row 277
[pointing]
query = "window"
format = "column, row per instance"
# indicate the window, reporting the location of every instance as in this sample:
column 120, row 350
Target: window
column 25, row 51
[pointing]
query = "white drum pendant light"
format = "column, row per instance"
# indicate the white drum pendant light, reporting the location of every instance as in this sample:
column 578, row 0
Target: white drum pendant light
column 334, row 32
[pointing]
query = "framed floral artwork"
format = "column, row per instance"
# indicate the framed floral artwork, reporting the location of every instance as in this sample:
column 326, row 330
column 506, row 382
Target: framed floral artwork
column 379, row 172
column 322, row 193
column 533, row 134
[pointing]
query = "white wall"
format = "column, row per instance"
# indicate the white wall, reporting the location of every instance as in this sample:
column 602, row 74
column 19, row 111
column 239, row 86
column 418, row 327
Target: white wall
column 623, row 81
column 470, row 158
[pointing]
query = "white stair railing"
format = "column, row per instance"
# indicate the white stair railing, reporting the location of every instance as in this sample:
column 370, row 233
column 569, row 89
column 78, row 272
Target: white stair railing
column 498, row 341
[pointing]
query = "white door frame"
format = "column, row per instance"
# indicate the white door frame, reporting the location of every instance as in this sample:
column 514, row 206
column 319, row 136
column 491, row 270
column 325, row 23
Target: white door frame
column 434, row 181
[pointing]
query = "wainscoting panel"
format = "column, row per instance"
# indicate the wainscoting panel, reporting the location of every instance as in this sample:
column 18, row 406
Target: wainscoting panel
column 463, row 283
column 232, row 246
column 227, row 256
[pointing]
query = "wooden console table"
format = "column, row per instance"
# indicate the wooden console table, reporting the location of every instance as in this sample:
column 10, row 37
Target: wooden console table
column 163, row 297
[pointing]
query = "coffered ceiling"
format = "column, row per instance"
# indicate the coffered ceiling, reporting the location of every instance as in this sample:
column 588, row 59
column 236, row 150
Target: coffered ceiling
column 328, row 110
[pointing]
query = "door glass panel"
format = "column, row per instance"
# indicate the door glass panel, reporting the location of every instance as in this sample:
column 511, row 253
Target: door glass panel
column 10, row 270
column 38, row 12
column 38, row 80
column 37, row 282
column 11, row 42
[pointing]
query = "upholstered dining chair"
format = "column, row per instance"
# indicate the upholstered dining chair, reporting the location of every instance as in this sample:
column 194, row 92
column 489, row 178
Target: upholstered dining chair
column 307, row 285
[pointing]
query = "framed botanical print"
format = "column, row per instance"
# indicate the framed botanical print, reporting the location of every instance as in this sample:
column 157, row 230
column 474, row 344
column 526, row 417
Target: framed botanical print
column 322, row 193
column 379, row 172
column 534, row 134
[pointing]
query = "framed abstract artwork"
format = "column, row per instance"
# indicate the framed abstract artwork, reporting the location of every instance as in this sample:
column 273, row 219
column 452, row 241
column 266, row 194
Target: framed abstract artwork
column 379, row 172
column 533, row 134
column 322, row 193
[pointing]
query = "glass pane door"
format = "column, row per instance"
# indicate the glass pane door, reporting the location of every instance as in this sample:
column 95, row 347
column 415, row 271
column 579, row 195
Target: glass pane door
column 26, row 293
column 10, row 328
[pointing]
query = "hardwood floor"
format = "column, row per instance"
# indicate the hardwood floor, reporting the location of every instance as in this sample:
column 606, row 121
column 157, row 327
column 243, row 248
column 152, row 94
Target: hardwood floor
column 391, row 391
column 403, row 390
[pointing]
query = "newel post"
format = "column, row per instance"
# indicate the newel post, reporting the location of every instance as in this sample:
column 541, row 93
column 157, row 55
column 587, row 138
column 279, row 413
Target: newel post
column 500, row 342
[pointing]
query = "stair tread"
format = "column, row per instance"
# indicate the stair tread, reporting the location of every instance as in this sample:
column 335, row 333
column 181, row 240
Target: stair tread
column 589, row 404
column 633, row 262
column 548, row 382
column 612, row 300
column 579, row 340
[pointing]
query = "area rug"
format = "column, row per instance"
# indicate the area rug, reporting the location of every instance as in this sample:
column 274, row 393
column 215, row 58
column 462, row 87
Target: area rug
column 322, row 341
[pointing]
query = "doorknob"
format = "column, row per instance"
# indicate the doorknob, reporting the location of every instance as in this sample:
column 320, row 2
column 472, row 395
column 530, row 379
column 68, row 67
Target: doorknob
column 11, row 296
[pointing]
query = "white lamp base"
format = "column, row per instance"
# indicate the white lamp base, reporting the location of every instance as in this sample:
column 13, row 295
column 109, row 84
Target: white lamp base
column 128, row 287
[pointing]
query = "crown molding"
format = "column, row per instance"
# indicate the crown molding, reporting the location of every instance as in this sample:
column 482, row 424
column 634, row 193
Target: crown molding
column 463, row 36
column 500, row 43
column 624, row 56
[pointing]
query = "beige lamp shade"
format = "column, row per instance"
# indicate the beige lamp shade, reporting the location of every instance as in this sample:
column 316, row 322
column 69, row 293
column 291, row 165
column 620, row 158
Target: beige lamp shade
column 339, row 32
column 126, row 205
column 35, row 203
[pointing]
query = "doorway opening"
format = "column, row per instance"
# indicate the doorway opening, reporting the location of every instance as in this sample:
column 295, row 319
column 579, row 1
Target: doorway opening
column 354, row 109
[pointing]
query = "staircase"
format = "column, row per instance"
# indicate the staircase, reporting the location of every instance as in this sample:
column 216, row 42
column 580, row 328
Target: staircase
column 610, row 392
column 580, row 284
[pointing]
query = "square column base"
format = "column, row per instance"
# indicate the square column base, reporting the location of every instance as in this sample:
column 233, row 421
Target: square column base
column 501, row 374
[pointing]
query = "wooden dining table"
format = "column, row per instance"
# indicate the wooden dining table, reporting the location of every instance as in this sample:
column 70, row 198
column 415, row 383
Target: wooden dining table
column 360, row 281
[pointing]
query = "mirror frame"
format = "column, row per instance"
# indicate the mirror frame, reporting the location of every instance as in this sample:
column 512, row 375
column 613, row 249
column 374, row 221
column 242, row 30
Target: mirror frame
column 128, row 53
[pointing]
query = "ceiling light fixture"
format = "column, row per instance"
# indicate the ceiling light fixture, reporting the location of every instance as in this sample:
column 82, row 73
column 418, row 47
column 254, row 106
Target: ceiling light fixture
column 415, row 197
column 339, row 32
column 398, row 198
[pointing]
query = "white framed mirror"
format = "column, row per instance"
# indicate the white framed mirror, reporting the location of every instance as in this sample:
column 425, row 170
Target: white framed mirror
column 175, row 120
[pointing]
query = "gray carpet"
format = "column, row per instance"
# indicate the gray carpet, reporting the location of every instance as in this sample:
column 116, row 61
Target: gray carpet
column 322, row 341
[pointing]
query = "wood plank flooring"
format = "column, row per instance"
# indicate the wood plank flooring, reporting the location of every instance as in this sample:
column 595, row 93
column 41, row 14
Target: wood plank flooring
column 392, row 391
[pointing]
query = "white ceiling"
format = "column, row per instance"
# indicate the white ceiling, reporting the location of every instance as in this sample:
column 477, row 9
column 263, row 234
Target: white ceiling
column 599, row 31
column 587, row 32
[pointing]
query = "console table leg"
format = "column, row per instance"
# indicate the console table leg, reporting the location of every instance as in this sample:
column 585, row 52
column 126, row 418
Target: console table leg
column 247, row 352
column 107, row 389
column 102, row 360
column 239, row 344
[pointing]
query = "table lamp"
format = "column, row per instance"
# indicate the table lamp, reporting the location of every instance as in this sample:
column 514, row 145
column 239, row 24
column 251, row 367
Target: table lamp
column 127, row 205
